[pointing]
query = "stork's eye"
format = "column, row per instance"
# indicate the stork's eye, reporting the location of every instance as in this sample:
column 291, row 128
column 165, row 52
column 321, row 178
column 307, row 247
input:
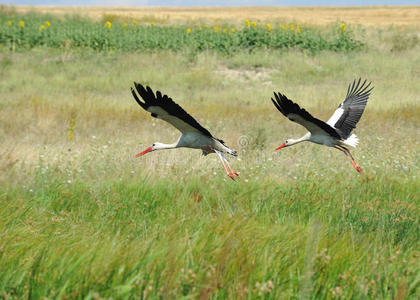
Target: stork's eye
column 153, row 145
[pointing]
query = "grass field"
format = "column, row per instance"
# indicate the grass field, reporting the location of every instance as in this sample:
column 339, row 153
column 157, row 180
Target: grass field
column 371, row 16
column 81, row 218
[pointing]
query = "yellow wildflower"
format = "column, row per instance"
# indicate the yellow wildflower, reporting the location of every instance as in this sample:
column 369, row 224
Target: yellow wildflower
column 283, row 27
column 21, row 23
column 254, row 24
column 10, row 23
column 225, row 29
column 292, row 26
column 206, row 26
column 343, row 27
column 201, row 28
column 216, row 28
column 134, row 22
column 188, row 30
column 248, row 23
column 233, row 29
column 48, row 23
column 42, row 27
column 108, row 24
column 124, row 25
column 298, row 30
column 70, row 132
column 268, row 27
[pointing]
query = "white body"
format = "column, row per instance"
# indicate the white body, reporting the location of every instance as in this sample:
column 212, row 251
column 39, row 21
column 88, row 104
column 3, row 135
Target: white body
column 196, row 140
column 325, row 139
column 319, row 136
column 190, row 138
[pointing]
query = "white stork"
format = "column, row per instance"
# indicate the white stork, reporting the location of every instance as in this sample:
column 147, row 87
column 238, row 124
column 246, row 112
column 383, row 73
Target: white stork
column 336, row 132
column 193, row 134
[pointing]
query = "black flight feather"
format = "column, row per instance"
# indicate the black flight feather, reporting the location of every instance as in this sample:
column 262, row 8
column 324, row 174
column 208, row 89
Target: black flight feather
column 286, row 107
column 353, row 107
column 167, row 104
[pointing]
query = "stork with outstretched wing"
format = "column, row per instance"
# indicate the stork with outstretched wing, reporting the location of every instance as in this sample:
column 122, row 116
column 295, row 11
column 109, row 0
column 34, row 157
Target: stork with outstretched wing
column 336, row 132
column 193, row 134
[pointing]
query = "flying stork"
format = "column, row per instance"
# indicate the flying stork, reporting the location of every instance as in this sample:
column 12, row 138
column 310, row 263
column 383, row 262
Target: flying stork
column 193, row 134
column 336, row 132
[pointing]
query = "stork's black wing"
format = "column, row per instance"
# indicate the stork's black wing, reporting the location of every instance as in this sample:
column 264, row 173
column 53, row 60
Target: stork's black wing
column 348, row 113
column 299, row 115
column 165, row 108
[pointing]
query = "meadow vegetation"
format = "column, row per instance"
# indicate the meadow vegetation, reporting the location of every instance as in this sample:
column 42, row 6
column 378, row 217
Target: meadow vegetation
column 32, row 30
column 80, row 217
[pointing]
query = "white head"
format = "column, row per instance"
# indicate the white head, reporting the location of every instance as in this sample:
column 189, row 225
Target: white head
column 155, row 146
column 289, row 142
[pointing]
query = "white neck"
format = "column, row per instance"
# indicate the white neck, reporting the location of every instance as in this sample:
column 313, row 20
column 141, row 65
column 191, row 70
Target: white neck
column 162, row 146
column 304, row 138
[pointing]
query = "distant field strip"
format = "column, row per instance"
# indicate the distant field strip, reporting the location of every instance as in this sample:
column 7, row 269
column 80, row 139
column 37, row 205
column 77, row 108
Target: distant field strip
column 375, row 15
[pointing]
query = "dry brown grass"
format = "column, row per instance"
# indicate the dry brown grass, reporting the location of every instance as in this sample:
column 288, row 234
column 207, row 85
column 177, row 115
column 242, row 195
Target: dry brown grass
column 373, row 16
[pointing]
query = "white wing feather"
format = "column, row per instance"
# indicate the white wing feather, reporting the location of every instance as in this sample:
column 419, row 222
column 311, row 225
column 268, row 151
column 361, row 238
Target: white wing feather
column 335, row 117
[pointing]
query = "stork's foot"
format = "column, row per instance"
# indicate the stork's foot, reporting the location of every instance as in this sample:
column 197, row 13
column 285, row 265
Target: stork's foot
column 231, row 176
column 358, row 168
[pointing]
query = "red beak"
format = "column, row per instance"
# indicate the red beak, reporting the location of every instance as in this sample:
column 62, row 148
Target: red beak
column 144, row 152
column 281, row 146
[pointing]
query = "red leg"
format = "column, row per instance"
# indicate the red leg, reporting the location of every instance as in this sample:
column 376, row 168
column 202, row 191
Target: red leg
column 350, row 157
column 356, row 166
column 224, row 166
column 354, row 163
column 233, row 172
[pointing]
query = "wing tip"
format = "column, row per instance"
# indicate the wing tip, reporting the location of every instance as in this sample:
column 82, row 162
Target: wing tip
column 144, row 104
column 285, row 105
column 355, row 88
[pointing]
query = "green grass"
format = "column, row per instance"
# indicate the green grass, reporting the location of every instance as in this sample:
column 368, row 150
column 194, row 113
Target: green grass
column 179, row 238
column 80, row 217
